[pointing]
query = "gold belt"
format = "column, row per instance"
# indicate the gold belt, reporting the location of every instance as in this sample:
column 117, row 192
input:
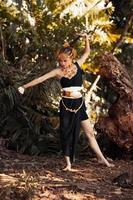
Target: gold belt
column 70, row 93
column 67, row 93
column 70, row 109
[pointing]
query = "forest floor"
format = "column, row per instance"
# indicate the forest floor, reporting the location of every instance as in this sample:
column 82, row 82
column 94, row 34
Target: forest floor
column 25, row 177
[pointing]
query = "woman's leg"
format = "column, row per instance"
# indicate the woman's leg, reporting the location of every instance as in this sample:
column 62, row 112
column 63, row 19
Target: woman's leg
column 93, row 143
column 68, row 164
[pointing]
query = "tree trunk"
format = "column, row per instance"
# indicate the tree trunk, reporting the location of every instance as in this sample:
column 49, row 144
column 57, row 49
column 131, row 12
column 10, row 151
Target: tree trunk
column 119, row 123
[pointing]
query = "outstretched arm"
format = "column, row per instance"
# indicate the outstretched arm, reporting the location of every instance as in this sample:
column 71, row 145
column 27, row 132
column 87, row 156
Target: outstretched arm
column 36, row 81
column 86, row 53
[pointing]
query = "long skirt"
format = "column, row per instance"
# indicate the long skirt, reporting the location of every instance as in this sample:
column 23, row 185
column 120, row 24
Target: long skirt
column 70, row 125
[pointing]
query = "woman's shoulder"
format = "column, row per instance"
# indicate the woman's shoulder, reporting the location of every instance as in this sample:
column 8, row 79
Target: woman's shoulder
column 76, row 62
column 56, row 71
column 78, row 66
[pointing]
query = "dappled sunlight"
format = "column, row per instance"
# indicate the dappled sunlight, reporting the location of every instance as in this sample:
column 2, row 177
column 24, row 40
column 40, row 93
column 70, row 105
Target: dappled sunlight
column 78, row 8
column 31, row 163
column 42, row 177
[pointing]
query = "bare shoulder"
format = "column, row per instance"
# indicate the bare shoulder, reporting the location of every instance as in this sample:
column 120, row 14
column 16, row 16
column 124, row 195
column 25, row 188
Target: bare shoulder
column 57, row 71
column 79, row 63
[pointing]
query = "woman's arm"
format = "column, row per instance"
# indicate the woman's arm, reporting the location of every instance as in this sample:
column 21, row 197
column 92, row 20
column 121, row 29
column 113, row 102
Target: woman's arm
column 83, row 58
column 41, row 79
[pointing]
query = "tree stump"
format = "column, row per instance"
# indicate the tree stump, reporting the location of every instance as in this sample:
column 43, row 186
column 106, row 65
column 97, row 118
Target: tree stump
column 119, row 123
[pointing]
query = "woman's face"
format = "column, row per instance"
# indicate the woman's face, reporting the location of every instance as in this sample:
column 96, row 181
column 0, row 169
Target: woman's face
column 64, row 61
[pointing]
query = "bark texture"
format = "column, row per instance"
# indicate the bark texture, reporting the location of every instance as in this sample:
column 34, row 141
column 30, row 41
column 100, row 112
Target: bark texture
column 119, row 123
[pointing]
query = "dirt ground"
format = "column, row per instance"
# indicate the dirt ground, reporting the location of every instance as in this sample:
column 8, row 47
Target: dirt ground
column 24, row 177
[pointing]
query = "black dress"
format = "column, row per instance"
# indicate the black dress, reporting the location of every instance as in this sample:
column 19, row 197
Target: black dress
column 70, row 121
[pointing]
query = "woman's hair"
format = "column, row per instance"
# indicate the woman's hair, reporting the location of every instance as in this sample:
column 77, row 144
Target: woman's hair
column 67, row 50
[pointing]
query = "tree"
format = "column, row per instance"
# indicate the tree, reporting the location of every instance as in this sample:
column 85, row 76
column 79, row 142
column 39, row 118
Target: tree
column 30, row 34
column 118, row 124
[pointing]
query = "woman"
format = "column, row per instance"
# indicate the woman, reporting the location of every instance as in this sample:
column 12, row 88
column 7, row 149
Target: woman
column 72, row 107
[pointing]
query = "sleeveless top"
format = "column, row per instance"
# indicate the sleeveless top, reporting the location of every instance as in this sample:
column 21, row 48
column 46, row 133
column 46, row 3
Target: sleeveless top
column 76, row 80
column 70, row 121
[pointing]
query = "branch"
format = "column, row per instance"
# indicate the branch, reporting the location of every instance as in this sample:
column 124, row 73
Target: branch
column 3, row 46
column 118, row 43
column 88, row 97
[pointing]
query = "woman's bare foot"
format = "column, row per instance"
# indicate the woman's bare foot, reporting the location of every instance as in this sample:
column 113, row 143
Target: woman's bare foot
column 68, row 168
column 104, row 161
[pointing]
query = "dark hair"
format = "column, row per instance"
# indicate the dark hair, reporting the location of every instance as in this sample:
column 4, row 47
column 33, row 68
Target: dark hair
column 68, row 50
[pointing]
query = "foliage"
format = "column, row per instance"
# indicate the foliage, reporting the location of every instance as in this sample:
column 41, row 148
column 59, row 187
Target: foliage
column 30, row 34
column 28, row 130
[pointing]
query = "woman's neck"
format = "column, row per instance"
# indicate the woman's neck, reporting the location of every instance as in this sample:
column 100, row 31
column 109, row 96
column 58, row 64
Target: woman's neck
column 70, row 71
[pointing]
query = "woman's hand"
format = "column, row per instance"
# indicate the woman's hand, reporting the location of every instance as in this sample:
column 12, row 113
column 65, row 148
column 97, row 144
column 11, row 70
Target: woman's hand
column 21, row 90
column 84, row 36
